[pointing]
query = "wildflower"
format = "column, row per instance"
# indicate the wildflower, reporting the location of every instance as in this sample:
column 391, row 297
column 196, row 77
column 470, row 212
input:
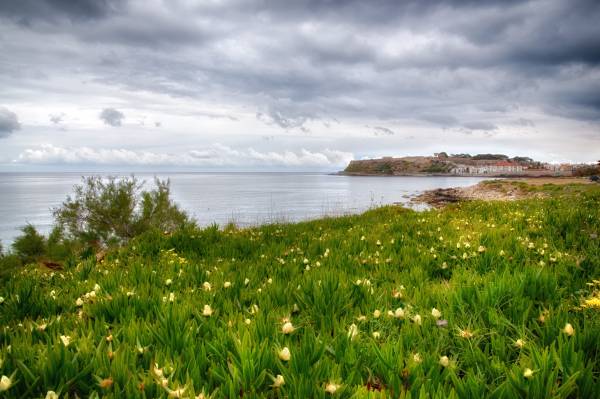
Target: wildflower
column 520, row 343
column 481, row 249
column 287, row 328
column 65, row 339
column 226, row 284
column 171, row 297
column 206, row 286
column 5, row 383
column 465, row 334
column 79, row 302
column 528, row 373
column 399, row 313
column 168, row 281
column 436, row 313
column 390, row 313
column 96, row 287
column 176, row 393
column 376, row 313
column 1, row 300
column 441, row 323
column 593, row 302
column 569, row 330
column 331, row 388
column 444, row 361
column 502, row 253
column 352, row 331
column 270, row 281
column 106, row 383
column 417, row 319
column 278, row 381
column 51, row 395
column 417, row 358
column 130, row 293
column 285, row 354
column 158, row 373
column 207, row 311
column 376, row 334
column 247, row 321
column 246, row 281
column 40, row 328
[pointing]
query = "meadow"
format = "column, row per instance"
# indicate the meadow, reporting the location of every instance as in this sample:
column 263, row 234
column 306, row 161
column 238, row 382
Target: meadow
column 478, row 299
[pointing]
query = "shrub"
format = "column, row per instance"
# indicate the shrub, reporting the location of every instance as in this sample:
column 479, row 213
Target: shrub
column 112, row 211
column 29, row 246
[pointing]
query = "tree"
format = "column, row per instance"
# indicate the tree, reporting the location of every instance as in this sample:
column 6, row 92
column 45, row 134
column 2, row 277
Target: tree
column 112, row 211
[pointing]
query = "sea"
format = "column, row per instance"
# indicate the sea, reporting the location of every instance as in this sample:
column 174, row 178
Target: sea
column 246, row 199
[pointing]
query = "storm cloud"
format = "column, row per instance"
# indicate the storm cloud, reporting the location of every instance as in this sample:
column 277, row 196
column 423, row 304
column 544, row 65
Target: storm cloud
column 415, row 69
column 8, row 122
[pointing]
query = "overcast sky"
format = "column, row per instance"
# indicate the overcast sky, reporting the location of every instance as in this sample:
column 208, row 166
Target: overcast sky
column 303, row 84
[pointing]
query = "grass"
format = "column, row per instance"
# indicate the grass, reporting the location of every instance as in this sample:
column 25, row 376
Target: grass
column 514, row 283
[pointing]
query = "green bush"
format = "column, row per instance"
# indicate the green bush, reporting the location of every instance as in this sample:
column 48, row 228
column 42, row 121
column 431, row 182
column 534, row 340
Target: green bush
column 29, row 246
column 112, row 211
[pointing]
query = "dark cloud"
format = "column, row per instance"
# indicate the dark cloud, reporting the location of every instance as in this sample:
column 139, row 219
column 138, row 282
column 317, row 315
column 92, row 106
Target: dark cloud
column 27, row 11
column 8, row 122
column 382, row 131
column 56, row 118
column 112, row 117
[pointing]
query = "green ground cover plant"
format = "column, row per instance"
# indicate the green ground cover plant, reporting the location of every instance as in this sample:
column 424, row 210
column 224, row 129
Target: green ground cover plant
column 479, row 299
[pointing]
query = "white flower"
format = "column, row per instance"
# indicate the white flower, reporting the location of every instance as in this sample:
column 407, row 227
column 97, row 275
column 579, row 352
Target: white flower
column 171, row 297
column 5, row 383
column 444, row 361
column 270, row 281
column 246, row 281
column 92, row 294
column 376, row 313
column 376, row 334
column 417, row 358
column 176, row 393
column 436, row 313
column 1, row 300
column 206, row 286
column 96, row 288
column 528, row 373
column 207, row 311
column 79, row 302
column 168, row 281
column 352, row 331
column 417, row 319
column 51, row 395
column 226, row 284
column 569, row 330
column 399, row 313
column 331, row 388
column 287, row 328
column 481, row 249
column 247, row 321
column 285, row 354
column 278, row 381
column 158, row 373
column 65, row 339
column 520, row 343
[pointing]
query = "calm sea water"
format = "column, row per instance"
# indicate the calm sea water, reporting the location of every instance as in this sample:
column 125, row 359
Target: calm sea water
column 243, row 198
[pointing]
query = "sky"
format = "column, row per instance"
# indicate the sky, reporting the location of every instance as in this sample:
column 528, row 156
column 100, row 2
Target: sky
column 294, row 85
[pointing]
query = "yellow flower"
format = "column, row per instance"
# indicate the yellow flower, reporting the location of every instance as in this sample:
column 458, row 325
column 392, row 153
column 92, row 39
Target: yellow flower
column 278, row 381
column 519, row 343
column 227, row 284
column 5, row 383
column 207, row 311
column 206, row 286
column 248, row 321
column 1, row 300
column 465, row 334
column 417, row 358
column 399, row 313
column 79, row 302
column 287, row 328
column 168, row 281
column 376, row 313
column 376, row 334
column 593, row 302
column 65, row 339
column 331, row 388
column 569, row 330
column 436, row 313
column 176, row 393
column 285, row 354
column 51, row 395
column 528, row 373
column 417, row 319
column 171, row 297
column 444, row 361
column 481, row 249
